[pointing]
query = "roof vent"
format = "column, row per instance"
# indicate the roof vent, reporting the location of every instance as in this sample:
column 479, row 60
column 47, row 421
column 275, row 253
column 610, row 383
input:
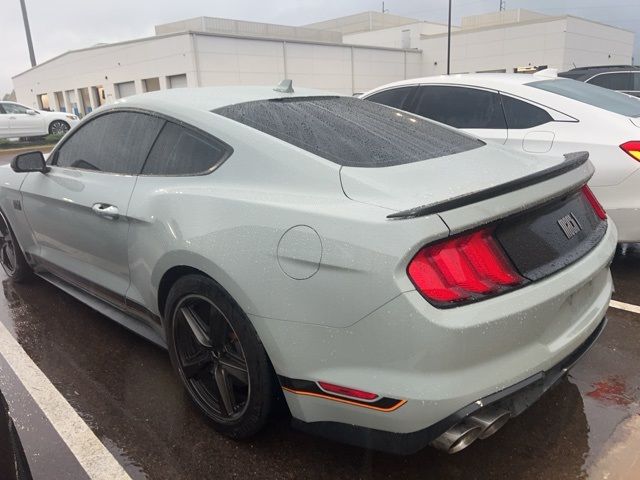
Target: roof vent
column 285, row 86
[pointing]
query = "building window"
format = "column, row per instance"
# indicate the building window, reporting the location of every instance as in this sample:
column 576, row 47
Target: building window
column 86, row 101
column 73, row 101
column 177, row 81
column 125, row 89
column 43, row 102
column 151, row 84
column 60, row 101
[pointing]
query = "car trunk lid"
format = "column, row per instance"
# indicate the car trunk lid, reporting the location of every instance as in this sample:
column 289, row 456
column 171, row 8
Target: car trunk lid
column 540, row 213
column 441, row 179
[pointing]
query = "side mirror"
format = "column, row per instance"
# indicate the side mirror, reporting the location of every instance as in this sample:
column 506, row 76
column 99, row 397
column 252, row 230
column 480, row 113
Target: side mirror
column 29, row 162
column 31, row 112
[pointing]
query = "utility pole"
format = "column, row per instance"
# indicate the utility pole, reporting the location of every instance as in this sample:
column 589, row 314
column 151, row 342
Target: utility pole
column 384, row 10
column 503, row 5
column 32, row 55
column 449, row 42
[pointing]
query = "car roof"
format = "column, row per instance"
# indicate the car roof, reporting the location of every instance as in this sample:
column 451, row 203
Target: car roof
column 211, row 98
column 488, row 80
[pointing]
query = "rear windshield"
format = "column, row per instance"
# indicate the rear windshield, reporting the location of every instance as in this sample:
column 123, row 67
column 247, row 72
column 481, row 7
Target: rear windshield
column 592, row 95
column 350, row 131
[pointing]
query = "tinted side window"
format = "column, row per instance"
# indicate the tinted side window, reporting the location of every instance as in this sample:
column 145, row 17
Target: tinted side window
column 1, row 109
column 13, row 108
column 614, row 81
column 460, row 107
column 395, row 97
column 116, row 142
column 179, row 151
column 521, row 114
column 636, row 81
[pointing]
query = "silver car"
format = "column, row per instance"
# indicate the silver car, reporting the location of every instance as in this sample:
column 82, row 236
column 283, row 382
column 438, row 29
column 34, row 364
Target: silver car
column 398, row 282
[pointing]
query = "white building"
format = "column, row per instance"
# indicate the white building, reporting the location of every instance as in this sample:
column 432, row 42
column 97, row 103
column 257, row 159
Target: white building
column 210, row 51
column 347, row 55
column 505, row 41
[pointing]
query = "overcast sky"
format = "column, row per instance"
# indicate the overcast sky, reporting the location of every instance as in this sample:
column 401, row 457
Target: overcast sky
column 58, row 26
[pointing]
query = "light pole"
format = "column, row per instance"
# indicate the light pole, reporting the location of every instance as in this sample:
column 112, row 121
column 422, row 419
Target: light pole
column 25, row 19
column 449, row 42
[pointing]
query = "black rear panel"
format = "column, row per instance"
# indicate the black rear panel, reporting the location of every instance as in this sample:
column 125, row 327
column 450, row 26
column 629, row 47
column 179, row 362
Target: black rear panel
column 549, row 238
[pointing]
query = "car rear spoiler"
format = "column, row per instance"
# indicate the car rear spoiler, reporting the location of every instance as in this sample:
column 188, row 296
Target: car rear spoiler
column 571, row 161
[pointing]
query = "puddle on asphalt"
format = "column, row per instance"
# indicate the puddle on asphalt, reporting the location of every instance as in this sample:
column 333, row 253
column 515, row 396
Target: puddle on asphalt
column 124, row 388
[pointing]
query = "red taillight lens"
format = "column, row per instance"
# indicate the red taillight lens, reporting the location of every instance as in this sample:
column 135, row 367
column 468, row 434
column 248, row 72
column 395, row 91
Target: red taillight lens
column 347, row 392
column 469, row 267
column 600, row 212
column 632, row 148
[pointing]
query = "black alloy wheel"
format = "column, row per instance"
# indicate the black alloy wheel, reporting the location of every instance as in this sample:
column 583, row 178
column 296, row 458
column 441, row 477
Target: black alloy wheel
column 211, row 359
column 8, row 257
column 219, row 357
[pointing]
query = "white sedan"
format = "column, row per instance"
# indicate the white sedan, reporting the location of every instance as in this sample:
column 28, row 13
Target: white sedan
column 540, row 114
column 19, row 121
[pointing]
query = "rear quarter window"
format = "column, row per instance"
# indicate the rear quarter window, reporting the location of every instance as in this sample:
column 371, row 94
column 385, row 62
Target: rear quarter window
column 520, row 114
column 181, row 151
column 349, row 131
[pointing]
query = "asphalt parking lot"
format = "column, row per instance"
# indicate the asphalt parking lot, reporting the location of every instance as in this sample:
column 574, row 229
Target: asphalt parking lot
column 123, row 388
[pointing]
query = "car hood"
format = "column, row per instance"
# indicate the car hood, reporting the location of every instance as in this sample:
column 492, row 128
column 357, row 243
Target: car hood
column 435, row 180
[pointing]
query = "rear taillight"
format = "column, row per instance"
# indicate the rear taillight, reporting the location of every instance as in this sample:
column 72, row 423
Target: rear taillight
column 632, row 148
column 466, row 268
column 600, row 212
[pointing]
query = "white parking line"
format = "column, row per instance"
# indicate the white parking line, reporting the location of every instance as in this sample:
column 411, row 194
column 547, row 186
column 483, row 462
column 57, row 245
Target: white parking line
column 624, row 306
column 96, row 460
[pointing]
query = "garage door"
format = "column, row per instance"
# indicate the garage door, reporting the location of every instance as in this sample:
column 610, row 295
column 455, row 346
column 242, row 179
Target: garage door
column 125, row 89
column 177, row 81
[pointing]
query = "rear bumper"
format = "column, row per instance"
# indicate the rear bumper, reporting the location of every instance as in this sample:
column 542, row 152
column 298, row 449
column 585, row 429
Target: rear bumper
column 516, row 398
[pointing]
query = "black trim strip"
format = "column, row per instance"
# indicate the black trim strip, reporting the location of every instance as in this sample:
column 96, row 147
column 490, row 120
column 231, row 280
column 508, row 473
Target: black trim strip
column 127, row 306
column 572, row 161
column 307, row 387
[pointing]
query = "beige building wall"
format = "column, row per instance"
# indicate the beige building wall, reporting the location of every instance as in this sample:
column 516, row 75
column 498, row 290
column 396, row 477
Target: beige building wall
column 403, row 36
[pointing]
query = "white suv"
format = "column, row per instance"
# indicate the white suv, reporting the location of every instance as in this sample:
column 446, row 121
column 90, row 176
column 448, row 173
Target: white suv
column 19, row 121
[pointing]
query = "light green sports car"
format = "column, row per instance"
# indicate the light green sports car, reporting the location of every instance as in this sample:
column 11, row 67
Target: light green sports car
column 396, row 282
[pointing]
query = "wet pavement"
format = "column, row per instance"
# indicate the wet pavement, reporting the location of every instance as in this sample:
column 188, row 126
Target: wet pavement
column 123, row 387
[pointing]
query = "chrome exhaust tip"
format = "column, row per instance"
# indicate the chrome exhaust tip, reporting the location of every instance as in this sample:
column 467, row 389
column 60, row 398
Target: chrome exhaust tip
column 489, row 420
column 457, row 438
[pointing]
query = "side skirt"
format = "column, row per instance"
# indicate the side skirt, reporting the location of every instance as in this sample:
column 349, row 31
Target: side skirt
column 115, row 314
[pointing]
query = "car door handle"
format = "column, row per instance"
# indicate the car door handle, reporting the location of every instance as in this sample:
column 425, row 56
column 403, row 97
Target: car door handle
column 105, row 210
column 12, row 118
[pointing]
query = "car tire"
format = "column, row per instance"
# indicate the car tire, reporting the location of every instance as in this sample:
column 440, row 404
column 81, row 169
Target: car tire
column 11, row 256
column 210, row 342
column 58, row 127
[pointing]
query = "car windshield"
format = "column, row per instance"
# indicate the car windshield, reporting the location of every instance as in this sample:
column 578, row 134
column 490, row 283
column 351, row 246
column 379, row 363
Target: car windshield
column 599, row 97
column 350, row 131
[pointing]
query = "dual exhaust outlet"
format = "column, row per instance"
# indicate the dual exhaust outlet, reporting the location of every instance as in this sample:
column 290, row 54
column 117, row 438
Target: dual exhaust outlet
column 480, row 425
